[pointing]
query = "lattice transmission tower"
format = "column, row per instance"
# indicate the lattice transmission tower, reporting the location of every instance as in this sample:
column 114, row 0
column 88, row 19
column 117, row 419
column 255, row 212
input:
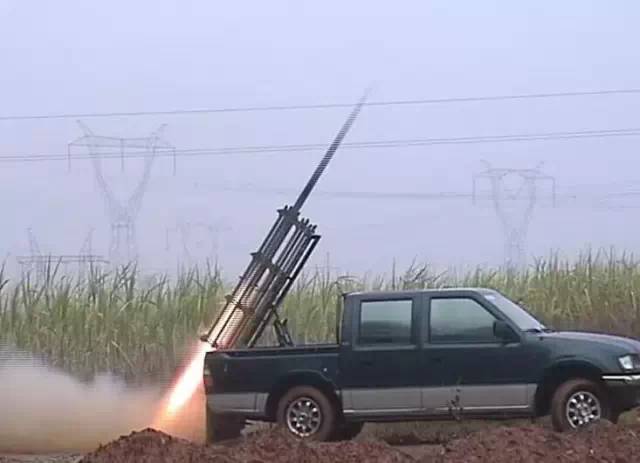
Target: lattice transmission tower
column 198, row 241
column 40, row 265
column 122, row 213
column 514, row 206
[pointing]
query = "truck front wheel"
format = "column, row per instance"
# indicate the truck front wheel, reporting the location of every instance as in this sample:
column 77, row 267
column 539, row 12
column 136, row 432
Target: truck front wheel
column 307, row 413
column 578, row 403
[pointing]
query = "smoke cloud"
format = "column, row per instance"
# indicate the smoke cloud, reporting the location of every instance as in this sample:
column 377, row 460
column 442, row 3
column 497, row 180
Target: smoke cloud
column 44, row 411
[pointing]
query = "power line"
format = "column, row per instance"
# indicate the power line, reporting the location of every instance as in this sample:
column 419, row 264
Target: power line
column 379, row 144
column 570, row 200
column 177, row 112
column 390, row 195
column 564, row 200
column 445, row 195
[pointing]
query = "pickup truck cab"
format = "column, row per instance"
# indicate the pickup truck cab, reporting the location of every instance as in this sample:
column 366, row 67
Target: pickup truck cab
column 424, row 355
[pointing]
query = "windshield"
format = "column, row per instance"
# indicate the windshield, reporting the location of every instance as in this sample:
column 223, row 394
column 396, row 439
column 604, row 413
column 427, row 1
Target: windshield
column 522, row 318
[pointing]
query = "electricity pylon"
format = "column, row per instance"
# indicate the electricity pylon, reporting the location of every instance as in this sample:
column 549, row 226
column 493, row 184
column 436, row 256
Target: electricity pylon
column 40, row 264
column 198, row 240
column 122, row 213
column 515, row 226
column 33, row 263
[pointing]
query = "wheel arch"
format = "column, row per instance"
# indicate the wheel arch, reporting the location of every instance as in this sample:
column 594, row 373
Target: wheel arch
column 301, row 378
column 557, row 374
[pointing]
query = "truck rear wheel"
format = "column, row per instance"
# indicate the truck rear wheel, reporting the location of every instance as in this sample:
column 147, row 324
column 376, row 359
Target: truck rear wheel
column 222, row 427
column 307, row 413
column 578, row 403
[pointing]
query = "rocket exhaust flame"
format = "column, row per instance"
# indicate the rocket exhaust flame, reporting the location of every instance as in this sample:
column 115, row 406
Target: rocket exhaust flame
column 188, row 382
column 184, row 387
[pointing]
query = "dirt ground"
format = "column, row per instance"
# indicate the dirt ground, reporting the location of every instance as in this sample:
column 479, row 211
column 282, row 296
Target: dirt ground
column 50, row 458
column 603, row 442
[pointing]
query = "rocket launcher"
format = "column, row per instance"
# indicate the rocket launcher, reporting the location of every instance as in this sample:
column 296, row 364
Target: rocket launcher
column 274, row 267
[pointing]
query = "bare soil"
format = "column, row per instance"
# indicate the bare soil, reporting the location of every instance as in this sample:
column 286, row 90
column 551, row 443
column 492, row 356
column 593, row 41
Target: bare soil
column 40, row 458
column 603, row 442
column 272, row 446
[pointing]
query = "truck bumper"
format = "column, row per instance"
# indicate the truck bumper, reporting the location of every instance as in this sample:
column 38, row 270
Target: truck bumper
column 624, row 390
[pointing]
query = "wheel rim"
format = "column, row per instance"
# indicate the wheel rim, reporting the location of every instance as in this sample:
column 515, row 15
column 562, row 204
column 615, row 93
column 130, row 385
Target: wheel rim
column 582, row 409
column 304, row 417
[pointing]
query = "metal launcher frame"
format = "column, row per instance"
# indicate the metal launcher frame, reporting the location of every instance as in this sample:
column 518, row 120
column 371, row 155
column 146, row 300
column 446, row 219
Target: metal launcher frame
column 273, row 269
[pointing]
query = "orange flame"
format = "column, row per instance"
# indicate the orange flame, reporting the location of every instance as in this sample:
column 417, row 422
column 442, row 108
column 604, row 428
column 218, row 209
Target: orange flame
column 185, row 386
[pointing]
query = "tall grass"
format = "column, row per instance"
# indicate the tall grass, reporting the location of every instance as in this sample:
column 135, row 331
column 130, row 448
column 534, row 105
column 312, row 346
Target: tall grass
column 109, row 322
column 117, row 322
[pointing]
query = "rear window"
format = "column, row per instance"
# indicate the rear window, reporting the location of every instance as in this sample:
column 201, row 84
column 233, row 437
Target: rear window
column 386, row 322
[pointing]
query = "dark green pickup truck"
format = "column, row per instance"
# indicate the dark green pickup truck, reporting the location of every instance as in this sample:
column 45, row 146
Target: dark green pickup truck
column 424, row 355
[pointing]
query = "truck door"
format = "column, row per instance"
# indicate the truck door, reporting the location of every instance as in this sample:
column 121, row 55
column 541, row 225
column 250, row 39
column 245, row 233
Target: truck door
column 467, row 369
column 380, row 361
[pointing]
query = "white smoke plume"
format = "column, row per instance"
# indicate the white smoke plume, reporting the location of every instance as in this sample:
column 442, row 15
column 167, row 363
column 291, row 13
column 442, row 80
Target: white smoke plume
column 44, row 411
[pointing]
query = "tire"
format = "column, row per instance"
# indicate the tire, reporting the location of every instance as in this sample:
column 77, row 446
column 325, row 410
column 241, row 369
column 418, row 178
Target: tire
column 222, row 427
column 578, row 403
column 307, row 413
column 347, row 431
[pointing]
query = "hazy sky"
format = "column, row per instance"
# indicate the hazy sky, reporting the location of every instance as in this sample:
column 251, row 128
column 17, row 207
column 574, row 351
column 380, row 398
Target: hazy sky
column 78, row 57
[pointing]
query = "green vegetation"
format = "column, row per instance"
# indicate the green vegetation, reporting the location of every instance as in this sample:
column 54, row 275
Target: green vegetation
column 141, row 329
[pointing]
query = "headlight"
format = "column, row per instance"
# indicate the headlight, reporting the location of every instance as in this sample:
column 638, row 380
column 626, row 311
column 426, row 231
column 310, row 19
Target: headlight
column 629, row 362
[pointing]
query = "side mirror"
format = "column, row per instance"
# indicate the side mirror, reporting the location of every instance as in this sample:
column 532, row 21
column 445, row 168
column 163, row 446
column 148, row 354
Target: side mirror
column 502, row 330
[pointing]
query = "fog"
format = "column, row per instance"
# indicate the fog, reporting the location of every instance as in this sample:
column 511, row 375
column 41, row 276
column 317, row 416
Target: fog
column 71, row 57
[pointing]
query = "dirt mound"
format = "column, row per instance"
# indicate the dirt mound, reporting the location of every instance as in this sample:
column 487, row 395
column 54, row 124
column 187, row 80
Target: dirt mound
column 270, row 446
column 600, row 443
column 603, row 442
column 150, row 446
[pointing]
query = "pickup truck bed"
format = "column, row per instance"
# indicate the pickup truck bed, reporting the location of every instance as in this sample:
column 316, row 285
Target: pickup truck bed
column 243, row 379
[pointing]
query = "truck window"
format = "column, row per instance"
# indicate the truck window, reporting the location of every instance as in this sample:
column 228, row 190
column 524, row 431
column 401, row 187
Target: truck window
column 385, row 322
column 460, row 320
